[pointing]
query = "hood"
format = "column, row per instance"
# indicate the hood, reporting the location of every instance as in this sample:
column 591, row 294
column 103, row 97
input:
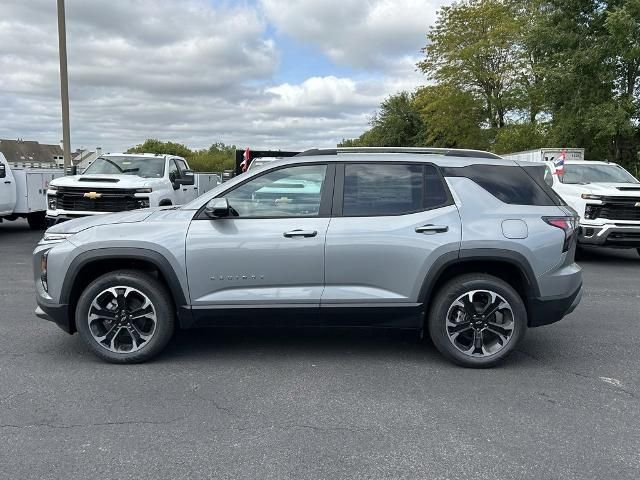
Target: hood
column 78, row 224
column 613, row 189
column 104, row 181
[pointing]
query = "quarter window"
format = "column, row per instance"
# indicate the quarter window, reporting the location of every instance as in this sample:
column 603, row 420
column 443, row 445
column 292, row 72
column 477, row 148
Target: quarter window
column 391, row 189
column 287, row 192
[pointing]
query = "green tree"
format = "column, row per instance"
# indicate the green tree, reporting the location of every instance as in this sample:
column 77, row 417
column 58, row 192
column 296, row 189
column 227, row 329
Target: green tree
column 452, row 118
column 475, row 46
column 397, row 123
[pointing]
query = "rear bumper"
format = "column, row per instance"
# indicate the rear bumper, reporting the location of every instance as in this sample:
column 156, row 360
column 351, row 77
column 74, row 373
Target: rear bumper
column 58, row 314
column 544, row 311
column 618, row 234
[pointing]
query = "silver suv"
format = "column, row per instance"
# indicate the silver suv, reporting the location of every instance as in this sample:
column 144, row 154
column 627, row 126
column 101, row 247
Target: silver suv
column 469, row 246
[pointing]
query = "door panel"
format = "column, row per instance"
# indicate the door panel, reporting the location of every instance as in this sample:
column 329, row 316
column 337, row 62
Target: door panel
column 271, row 250
column 384, row 259
column 7, row 191
column 251, row 262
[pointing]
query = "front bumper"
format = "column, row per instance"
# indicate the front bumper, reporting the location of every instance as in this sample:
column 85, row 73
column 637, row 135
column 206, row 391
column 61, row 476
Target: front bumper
column 58, row 314
column 544, row 311
column 618, row 234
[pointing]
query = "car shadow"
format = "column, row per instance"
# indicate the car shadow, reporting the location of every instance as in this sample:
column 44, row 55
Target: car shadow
column 299, row 342
column 612, row 256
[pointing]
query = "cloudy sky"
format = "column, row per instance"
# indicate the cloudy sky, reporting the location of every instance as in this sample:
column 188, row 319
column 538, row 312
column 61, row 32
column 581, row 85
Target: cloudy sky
column 263, row 73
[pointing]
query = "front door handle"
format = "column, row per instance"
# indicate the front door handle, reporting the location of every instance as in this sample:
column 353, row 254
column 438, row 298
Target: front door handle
column 300, row 233
column 431, row 229
column 7, row 181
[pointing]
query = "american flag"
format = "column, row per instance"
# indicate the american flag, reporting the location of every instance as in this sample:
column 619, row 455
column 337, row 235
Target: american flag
column 559, row 163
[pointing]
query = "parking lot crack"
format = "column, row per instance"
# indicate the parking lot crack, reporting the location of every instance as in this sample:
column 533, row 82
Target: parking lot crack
column 97, row 424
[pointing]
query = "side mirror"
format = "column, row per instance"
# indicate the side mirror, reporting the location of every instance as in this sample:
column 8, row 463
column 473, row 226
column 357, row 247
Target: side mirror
column 187, row 178
column 218, row 208
column 3, row 171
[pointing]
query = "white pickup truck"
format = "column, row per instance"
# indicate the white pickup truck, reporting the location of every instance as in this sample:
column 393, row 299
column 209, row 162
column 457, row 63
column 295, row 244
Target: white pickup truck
column 118, row 182
column 605, row 195
column 23, row 191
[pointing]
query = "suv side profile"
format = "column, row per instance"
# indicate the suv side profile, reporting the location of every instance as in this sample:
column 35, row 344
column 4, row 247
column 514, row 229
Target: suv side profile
column 472, row 248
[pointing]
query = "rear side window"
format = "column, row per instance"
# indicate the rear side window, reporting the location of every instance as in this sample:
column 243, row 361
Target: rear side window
column 510, row 184
column 391, row 189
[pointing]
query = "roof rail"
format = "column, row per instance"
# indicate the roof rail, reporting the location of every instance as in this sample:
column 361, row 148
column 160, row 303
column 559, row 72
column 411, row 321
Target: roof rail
column 447, row 152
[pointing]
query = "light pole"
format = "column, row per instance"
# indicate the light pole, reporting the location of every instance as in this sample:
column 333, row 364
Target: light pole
column 64, row 86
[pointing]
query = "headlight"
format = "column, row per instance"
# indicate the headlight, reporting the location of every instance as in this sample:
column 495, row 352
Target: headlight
column 589, row 196
column 55, row 237
column 144, row 190
column 52, row 187
column 43, row 270
column 53, row 203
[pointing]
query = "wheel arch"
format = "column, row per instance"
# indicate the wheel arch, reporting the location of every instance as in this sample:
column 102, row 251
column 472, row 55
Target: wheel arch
column 88, row 266
column 507, row 265
column 165, row 202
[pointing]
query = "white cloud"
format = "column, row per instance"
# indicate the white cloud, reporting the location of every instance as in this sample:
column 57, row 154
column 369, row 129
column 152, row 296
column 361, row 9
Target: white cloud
column 194, row 73
column 358, row 33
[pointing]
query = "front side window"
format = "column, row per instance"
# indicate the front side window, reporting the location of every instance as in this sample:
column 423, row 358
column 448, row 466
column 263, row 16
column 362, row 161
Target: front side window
column 147, row 167
column 391, row 189
column 173, row 171
column 287, row 192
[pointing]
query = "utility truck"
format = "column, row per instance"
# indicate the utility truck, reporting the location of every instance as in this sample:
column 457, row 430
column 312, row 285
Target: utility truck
column 605, row 195
column 118, row 182
column 23, row 191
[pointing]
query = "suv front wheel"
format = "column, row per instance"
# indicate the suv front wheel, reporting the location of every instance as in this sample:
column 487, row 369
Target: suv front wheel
column 476, row 320
column 125, row 317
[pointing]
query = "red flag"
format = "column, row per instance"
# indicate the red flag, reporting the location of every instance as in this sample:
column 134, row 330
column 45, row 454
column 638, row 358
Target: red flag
column 246, row 160
column 559, row 163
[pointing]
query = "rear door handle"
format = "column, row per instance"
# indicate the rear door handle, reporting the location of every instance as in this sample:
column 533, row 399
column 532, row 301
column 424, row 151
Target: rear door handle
column 300, row 233
column 7, row 181
column 430, row 229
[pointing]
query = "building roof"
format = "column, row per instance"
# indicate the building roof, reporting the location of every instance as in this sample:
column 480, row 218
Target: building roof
column 20, row 151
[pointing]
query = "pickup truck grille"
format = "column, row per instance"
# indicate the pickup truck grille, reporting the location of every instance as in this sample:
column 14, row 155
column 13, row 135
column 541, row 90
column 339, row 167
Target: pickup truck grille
column 620, row 208
column 111, row 200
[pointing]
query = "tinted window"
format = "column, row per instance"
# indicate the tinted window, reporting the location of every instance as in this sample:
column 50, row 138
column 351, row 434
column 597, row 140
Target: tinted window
column 509, row 184
column 391, row 189
column 287, row 192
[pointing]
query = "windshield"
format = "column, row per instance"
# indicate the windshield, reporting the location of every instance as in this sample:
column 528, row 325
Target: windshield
column 147, row 167
column 582, row 174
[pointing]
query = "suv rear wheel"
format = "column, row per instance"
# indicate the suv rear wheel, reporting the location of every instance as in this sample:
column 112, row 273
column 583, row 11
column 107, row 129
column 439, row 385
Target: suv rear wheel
column 125, row 317
column 476, row 320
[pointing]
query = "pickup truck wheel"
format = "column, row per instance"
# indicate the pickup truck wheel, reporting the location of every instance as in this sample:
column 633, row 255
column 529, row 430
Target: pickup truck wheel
column 37, row 221
column 476, row 320
column 125, row 317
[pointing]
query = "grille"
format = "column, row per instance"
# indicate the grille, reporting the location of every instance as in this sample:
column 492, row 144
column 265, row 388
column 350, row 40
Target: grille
column 112, row 200
column 620, row 212
column 617, row 208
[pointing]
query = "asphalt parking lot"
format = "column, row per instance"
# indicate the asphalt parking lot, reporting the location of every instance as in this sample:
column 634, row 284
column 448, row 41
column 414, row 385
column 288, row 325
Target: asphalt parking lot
column 273, row 404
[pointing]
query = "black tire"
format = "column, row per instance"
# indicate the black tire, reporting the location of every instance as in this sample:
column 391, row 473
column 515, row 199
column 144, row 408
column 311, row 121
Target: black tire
column 37, row 221
column 445, row 299
column 161, row 303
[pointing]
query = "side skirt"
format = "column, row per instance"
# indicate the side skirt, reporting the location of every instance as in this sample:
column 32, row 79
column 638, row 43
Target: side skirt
column 338, row 315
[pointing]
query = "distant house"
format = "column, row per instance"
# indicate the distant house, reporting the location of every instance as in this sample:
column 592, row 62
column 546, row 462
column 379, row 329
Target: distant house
column 19, row 152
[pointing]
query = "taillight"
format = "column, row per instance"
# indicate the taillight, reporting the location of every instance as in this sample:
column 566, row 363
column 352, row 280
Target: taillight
column 568, row 225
